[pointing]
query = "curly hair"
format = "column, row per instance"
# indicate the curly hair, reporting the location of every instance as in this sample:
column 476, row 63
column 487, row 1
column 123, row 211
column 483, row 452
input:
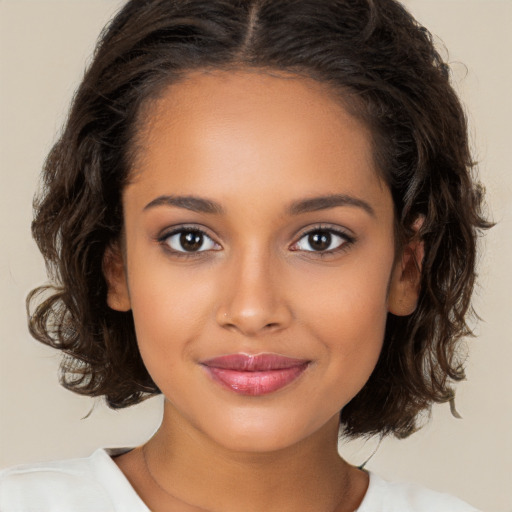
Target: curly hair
column 372, row 50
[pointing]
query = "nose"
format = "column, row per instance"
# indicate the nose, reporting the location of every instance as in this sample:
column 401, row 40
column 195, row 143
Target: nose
column 253, row 296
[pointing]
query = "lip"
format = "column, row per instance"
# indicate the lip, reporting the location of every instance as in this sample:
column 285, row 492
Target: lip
column 254, row 375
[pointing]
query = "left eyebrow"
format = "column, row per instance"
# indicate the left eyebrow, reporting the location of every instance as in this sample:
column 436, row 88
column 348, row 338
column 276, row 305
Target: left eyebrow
column 315, row 204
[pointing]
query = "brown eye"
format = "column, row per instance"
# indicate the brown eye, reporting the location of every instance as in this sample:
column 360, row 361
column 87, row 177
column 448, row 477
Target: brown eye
column 321, row 240
column 190, row 240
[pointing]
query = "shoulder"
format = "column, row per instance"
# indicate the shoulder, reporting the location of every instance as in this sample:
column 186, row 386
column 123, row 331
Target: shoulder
column 384, row 496
column 82, row 485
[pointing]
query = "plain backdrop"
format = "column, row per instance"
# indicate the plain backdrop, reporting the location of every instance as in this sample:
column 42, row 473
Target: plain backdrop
column 45, row 45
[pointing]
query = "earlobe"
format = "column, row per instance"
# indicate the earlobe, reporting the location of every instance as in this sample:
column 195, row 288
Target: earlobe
column 406, row 280
column 118, row 297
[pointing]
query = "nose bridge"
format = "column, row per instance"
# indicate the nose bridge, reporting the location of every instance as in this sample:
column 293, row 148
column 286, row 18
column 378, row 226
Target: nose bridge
column 253, row 300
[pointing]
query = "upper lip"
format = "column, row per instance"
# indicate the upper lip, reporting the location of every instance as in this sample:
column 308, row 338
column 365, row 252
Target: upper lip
column 254, row 363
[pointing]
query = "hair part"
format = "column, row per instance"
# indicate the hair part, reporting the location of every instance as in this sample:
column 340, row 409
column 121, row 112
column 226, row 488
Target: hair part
column 382, row 64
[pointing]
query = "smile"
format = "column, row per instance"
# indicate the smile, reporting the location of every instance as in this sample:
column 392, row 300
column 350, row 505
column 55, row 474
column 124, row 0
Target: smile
column 254, row 375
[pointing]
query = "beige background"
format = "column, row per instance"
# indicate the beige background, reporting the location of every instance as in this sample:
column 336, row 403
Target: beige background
column 44, row 45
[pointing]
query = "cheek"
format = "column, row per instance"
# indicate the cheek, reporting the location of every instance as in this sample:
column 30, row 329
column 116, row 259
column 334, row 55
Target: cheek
column 170, row 309
column 353, row 299
column 348, row 314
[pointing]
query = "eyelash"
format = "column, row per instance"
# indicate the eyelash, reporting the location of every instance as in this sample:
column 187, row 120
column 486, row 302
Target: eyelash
column 348, row 240
column 164, row 241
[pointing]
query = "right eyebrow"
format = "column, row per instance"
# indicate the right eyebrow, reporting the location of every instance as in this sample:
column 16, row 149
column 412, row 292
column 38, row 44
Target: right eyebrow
column 193, row 203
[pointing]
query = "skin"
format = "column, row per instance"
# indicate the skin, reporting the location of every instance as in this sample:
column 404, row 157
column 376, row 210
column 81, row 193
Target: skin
column 255, row 144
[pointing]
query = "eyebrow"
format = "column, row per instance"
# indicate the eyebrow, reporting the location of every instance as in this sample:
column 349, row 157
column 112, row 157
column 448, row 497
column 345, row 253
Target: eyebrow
column 314, row 204
column 193, row 203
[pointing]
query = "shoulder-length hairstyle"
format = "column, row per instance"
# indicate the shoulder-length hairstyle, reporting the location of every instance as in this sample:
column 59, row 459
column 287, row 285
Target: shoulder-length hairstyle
column 371, row 50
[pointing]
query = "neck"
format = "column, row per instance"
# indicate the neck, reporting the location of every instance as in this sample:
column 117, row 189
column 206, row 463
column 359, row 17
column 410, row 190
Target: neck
column 309, row 475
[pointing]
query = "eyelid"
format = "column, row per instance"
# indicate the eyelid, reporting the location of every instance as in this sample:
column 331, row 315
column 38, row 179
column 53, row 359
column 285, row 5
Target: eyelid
column 172, row 231
column 336, row 230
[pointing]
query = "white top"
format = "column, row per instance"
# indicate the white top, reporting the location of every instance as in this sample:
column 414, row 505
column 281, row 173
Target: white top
column 96, row 484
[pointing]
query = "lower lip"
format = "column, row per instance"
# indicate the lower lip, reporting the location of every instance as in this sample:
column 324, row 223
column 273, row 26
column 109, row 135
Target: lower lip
column 256, row 383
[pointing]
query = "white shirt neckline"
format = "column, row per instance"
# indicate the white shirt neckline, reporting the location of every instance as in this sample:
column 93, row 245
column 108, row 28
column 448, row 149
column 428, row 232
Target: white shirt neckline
column 96, row 483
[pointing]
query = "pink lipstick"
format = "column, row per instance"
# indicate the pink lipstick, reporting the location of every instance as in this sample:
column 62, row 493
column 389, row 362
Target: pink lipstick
column 254, row 375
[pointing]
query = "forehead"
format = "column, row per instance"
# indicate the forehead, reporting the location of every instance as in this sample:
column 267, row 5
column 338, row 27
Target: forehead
column 222, row 129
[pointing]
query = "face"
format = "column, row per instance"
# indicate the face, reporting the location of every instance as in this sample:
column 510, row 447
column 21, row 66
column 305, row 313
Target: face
column 259, row 256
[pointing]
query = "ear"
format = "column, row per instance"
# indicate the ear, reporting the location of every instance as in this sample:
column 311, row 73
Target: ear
column 118, row 297
column 405, row 283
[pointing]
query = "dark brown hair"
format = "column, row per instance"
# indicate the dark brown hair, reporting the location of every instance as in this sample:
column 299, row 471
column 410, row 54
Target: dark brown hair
column 372, row 50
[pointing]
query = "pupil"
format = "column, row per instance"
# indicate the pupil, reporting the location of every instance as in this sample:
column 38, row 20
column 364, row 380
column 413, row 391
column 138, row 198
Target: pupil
column 191, row 241
column 320, row 241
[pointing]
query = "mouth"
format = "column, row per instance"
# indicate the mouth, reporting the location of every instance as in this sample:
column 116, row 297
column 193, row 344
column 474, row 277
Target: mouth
column 255, row 375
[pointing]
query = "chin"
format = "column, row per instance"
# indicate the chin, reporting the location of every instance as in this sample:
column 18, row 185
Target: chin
column 256, row 442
